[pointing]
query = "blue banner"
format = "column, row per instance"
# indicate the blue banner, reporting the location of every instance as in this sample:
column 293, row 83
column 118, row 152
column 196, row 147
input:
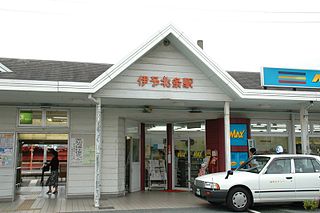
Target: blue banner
column 238, row 135
column 238, row 158
column 282, row 77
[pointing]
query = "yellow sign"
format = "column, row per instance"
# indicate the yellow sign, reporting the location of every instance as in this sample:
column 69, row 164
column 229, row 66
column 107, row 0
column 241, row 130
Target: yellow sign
column 236, row 134
column 181, row 154
column 197, row 154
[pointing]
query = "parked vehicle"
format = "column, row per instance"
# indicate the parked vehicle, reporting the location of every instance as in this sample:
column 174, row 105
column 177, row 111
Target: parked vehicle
column 262, row 179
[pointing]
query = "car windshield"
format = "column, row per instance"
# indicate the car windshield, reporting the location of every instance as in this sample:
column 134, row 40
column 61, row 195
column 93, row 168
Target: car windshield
column 254, row 165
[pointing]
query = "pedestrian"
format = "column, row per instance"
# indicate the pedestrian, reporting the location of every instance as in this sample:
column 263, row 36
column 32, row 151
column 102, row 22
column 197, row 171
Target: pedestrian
column 52, row 181
column 252, row 152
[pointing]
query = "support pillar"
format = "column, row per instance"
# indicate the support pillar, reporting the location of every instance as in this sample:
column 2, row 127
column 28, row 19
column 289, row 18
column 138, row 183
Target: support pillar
column 169, row 155
column 142, row 156
column 98, row 140
column 292, row 141
column 227, row 135
column 305, row 146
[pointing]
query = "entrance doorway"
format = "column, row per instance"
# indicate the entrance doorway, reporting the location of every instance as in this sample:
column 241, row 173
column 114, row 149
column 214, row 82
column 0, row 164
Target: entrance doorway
column 33, row 152
column 189, row 152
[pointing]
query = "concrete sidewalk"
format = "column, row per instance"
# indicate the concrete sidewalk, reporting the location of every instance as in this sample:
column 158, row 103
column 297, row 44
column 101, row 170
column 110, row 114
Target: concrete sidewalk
column 35, row 199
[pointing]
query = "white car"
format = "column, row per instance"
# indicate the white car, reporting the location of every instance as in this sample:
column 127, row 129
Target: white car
column 263, row 178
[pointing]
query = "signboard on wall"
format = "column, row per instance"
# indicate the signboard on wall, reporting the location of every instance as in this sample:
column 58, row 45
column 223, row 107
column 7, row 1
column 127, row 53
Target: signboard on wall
column 76, row 150
column 82, row 150
column 282, row 77
column 25, row 117
column 238, row 134
column 6, row 149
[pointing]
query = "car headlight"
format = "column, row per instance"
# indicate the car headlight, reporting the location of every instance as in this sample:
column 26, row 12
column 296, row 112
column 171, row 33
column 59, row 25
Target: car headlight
column 209, row 185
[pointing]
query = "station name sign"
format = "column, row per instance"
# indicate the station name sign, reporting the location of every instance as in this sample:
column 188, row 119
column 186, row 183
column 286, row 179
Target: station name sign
column 282, row 77
column 165, row 82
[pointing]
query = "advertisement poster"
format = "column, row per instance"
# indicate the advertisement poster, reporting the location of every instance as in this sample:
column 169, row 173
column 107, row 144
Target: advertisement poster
column 76, row 150
column 6, row 149
column 238, row 135
column 82, row 150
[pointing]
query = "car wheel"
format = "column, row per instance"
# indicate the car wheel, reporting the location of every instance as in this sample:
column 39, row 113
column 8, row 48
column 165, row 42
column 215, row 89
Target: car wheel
column 238, row 199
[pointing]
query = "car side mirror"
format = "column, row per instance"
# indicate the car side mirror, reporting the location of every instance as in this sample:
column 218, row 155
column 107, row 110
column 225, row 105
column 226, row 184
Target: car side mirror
column 229, row 172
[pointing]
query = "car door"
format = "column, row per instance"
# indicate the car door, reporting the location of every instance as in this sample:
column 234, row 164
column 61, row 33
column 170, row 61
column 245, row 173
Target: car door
column 307, row 178
column 277, row 182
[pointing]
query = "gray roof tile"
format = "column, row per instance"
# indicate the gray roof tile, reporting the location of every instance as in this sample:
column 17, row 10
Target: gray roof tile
column 45, row 70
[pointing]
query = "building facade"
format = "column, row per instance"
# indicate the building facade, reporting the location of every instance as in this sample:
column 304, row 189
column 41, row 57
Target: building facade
column 148, row 121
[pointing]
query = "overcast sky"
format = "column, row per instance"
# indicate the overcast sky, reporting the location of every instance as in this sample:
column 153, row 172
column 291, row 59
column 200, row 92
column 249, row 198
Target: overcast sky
column 238, row 35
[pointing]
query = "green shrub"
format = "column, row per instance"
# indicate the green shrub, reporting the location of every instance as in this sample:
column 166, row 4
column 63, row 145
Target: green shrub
column 310, row 204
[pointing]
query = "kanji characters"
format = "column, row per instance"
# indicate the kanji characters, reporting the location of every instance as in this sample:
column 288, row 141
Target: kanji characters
column 166, row 82
column 187, row 82
column 155, row 80
column 142, row 80
column 176, row 82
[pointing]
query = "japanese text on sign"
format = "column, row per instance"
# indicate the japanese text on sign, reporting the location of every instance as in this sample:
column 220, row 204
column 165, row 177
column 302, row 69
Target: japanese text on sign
column 165, row 82
column 76, row 150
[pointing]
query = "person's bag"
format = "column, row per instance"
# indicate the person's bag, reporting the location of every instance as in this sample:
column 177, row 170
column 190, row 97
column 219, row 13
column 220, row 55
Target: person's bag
column 46, row 168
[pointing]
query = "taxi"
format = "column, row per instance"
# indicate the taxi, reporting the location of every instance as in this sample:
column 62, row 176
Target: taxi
column 262, row 179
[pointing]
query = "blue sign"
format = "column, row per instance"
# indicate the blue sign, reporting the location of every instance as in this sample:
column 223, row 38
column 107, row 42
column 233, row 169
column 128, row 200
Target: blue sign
column 238, row 158
column 281, row 77
column 238, row 135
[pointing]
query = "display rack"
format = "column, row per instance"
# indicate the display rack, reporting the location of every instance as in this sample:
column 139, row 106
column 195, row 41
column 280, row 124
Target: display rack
column 157, row 174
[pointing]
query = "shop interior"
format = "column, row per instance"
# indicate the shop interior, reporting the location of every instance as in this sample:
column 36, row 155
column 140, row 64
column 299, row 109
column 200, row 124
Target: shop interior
column 188, row 154
column 33, row 153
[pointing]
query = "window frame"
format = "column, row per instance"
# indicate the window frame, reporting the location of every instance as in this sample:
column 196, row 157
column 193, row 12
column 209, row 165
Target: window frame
column 43, row 118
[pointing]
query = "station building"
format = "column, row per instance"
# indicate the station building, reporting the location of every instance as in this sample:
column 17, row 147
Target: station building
column 145, row 122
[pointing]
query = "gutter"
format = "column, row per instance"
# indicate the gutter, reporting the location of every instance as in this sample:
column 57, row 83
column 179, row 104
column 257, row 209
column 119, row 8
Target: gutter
column 98, row 144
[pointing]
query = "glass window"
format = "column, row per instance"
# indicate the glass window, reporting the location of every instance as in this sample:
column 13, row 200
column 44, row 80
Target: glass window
column 297, row 128
column 254, row 165
column 303, row 165
column 30, row 117
column 316, row 165
column 314, row 145
column 259, row 127
column 279, row 166
column 56, row 118
column 268, row 144
column 316, row 128
column 278, row 127
column 135, row 150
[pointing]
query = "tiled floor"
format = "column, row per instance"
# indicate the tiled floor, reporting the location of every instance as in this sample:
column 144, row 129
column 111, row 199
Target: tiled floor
column 34, row 199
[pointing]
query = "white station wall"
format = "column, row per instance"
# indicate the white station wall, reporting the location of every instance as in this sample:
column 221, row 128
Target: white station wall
column 113, row 154
column 81, row 177
column 7, row 174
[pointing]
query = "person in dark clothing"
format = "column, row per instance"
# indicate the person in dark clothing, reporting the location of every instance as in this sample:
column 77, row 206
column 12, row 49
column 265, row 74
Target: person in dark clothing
column 52, row 181
column 252, row 152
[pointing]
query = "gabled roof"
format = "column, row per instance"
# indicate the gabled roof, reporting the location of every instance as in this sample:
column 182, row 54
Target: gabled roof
column 78, row 79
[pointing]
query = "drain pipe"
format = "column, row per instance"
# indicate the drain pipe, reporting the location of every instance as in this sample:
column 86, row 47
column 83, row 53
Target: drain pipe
column 98, row 141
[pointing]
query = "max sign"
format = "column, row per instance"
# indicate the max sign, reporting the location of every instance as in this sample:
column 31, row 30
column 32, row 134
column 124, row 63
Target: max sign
column 238, row 134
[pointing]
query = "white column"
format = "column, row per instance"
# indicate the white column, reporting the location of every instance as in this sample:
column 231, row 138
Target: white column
column 227, row 144
column 98, row 139
column 304, row 130
column 292, row 138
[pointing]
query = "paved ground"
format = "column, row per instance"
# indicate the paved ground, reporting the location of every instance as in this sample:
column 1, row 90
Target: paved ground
column 34, row 199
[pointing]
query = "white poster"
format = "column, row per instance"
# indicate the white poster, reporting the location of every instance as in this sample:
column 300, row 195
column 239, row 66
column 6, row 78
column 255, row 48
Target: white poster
column 76, row 150
column 6, row 149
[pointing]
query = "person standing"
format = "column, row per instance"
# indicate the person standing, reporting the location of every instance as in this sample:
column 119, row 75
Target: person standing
column 252, row 152
column 52, row 181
